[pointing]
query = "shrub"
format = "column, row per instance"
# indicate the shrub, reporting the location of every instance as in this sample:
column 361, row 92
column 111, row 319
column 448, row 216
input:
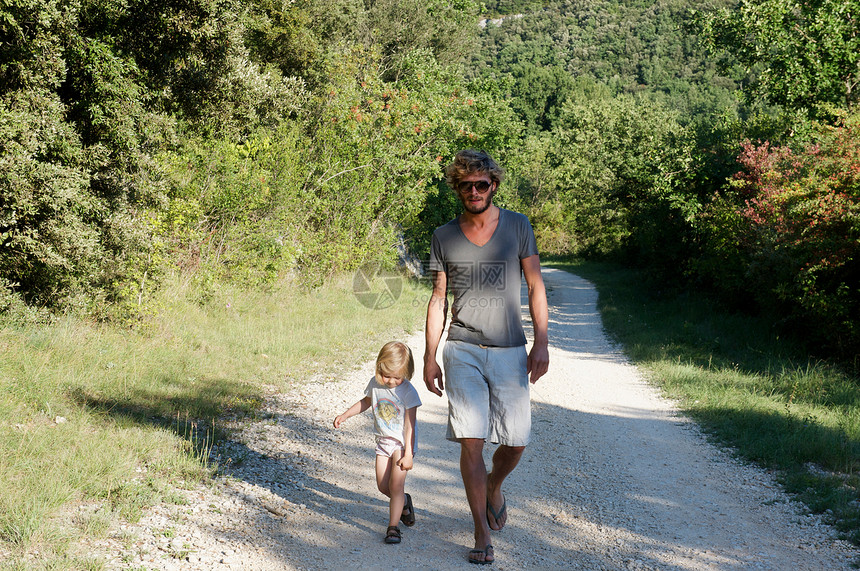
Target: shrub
column 788, row 229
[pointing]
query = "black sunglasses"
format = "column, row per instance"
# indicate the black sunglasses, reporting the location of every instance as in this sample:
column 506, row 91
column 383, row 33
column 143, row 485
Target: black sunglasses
column 481, row 186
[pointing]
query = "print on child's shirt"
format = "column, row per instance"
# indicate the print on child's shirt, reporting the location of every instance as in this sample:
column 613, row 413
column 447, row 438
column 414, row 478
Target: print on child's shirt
column 388, row 412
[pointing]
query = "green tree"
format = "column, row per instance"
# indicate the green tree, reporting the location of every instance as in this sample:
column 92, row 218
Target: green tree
column 632, row 47
column 49, row 245
column 333, row 188
column 610, row 180
column 381, row 144
column 281, row 34
column 397, row 27
column 785, row 234
column 90, row 94
column 538, row 93
column 804, row 53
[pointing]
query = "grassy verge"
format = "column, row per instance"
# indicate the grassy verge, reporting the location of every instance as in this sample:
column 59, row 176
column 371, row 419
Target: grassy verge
column 97, row 423
column 745, row 386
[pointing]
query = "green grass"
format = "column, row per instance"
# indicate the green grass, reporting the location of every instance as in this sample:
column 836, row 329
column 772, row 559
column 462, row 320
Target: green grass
column 120, row 418
column 751, row 390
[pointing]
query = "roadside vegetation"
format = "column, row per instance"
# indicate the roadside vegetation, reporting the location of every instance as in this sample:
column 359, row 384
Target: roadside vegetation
column 750, row 389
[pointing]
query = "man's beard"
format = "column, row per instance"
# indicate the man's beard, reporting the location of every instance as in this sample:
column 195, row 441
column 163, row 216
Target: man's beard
column 480, row 209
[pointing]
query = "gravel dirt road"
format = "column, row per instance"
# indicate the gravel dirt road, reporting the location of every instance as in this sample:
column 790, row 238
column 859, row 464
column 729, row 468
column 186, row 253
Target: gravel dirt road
column 615, row 478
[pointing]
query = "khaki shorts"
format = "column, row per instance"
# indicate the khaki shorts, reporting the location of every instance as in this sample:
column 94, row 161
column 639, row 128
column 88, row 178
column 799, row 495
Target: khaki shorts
column 488, row 393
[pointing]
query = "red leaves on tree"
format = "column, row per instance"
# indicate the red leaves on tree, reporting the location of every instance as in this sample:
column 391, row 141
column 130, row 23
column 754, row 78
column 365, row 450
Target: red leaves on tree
column 801, row 213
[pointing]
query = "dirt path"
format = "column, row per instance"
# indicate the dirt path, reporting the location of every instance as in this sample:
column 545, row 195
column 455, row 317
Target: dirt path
column 615, row 478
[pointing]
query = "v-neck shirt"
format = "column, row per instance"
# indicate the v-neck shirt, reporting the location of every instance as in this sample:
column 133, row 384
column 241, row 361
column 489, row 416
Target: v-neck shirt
column 485, row 280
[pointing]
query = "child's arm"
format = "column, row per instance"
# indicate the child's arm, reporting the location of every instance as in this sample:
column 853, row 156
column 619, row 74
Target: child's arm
column 405, row 461
column 357, row 408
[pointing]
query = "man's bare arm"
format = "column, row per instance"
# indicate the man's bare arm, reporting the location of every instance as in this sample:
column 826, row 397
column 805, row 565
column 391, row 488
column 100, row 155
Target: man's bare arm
column 437, row 310
column 538, row 361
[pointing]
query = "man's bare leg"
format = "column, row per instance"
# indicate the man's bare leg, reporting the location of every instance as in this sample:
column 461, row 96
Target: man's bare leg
column 474, row 473
column 505, row 460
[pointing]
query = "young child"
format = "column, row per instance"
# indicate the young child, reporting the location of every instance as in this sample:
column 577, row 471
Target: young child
column 394, row 401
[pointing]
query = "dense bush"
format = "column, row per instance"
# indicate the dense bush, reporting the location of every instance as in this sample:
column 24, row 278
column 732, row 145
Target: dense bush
column 48, row 243
column 329, row 192
column 593, row 184
column 786, row 233
column 90, row 95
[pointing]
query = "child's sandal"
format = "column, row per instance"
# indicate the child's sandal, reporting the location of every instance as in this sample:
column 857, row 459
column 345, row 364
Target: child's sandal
column 408, row 515
column 392, row 535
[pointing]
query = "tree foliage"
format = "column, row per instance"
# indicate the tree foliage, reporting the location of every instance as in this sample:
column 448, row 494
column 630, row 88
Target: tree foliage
column 593, row 181
column 90, row 95
column 632, row 47
column 330, row 192
column 804, row 53
column 47, row 243
column 787, row 231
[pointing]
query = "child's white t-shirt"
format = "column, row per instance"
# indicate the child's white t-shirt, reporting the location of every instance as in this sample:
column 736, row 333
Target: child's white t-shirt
column 389, row 408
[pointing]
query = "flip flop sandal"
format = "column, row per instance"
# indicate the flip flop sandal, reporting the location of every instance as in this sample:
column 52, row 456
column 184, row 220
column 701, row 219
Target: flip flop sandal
column 485, row 552
column 392, row 535
column 408, row 516
column 497, row 515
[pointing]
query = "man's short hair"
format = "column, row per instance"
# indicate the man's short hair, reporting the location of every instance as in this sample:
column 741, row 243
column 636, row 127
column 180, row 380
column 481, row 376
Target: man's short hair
column 470, row 161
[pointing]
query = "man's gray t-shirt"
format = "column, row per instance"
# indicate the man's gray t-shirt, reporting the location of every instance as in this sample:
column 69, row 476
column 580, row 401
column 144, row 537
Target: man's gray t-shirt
column 485, row 280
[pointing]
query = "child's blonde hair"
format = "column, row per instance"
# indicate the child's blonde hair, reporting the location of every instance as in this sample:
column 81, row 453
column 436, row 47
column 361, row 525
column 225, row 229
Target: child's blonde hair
column 394, row 360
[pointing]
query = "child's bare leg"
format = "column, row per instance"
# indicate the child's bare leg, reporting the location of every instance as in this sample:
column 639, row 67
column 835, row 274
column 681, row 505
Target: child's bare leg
column 383, row 474
column 396, row 485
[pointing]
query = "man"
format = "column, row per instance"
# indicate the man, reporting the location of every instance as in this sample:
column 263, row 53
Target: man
column 481, row 257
